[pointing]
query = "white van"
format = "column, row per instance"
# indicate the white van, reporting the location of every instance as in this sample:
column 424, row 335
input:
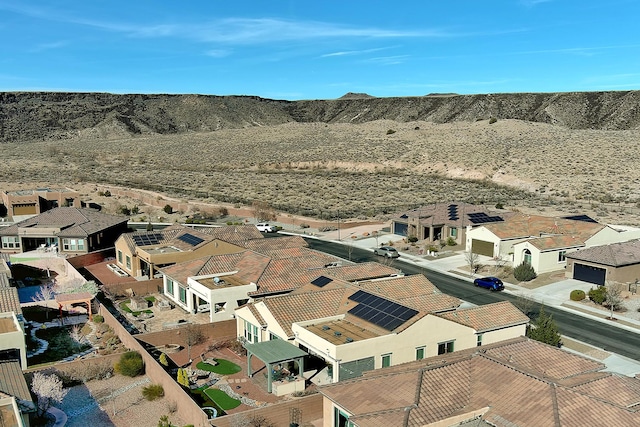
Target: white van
column 264, row 227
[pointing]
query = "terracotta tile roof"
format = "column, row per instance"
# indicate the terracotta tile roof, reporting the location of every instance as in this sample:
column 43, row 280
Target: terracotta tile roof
column 12, row 381
column 236, row 234
column 170, row 236
column 73, row 222
column 556, row 242
column 9, row 300
column 522, row 226
column 291, row 308
column 252, row 308
column 615, row 389
column 250, row 266
column 456, row 384
column 488, row 317
column 265, row 246
column 438, row 214
column 362, row 271
column 4, row 280
column 543, row 360
column 615, row 254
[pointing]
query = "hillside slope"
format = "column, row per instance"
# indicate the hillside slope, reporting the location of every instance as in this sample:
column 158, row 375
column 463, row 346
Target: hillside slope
column 26, row 116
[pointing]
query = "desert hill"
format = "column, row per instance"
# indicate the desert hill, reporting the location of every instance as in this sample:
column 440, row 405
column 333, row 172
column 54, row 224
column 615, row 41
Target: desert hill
column 26, row 116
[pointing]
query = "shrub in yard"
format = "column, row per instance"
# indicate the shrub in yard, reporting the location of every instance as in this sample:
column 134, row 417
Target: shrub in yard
column 492, row 120
column 598, row 295
column 524, row 272
column 130, row 364
column 412, row 239
column 97, row 318
column 303, row 225
column 168, row 209
column 163, row 360
column 451, row 241
column 577, row 295
column 153, row 392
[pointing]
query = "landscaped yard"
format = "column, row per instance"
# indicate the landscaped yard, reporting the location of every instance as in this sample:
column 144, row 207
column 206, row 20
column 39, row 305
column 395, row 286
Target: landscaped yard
column 224, row 367
column 222, row 399
column 61, row 345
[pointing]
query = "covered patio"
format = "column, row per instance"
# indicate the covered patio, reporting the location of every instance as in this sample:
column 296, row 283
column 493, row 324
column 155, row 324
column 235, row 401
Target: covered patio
column 274, row 354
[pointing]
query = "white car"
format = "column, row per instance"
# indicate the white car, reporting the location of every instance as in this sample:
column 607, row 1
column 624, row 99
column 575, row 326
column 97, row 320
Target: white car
column 264, row 227
column 386, row 251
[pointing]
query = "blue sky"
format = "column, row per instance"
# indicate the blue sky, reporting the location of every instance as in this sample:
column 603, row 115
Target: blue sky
column 319, row 49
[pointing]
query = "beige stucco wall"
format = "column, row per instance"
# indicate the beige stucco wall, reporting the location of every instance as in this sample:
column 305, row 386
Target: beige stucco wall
column 611, row 235
column 503, row 334
column 228, row 295
column 14, row 338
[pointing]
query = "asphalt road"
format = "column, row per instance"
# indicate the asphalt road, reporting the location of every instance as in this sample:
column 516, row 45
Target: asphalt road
column 596, row 333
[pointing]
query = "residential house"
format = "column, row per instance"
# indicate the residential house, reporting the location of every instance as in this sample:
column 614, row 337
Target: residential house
column 67, row 230
column 517, row 382
column 140, row 254
column 12, row 339
column 16, row 403
column 375, row 323
column 615, row 262
column 543, row 242
column 444, row 221
column 22, row 204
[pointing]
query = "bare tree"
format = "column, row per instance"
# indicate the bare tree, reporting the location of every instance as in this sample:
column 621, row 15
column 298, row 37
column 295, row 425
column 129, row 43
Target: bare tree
column 472, row 261
column 613, row 297
column 523, row 303
column 48, row 389
column 45, row 294
column 76, row 334
column 192, row 336
column 501, row 262
column 262, row 211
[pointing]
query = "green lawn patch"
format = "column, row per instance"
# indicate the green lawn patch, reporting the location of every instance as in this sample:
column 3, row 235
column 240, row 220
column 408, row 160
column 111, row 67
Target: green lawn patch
column 124, row 305
column 224, row 367
column 222, row 399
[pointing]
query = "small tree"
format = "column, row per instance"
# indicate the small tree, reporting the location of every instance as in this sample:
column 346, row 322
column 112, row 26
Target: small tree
column 168, row 209
column 45, row 294
column 163, row 359
column 545, row 330
column 182, row 378
column 524, row 272
column 472, row 261
column 48, row 389
column 192, row 336
column 613, row 297
column 262, row 211
column 149, row 226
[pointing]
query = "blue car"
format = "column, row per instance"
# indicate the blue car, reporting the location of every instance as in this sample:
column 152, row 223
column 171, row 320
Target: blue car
column 492, row 283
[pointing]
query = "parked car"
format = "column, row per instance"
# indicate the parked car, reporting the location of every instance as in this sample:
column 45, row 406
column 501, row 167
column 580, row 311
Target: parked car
column 386, row 251
column 492, row 283
column 265, row 228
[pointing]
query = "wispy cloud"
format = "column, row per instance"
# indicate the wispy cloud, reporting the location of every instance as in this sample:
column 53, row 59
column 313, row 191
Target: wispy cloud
column 388, row 60
column 218, row 53
column 355, row 52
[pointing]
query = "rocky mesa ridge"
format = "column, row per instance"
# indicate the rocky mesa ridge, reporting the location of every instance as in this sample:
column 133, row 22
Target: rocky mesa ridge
column 28, row 116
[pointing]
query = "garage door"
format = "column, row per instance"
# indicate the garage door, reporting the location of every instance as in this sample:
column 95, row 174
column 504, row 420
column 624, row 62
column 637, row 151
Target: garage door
column 400, row 228
column 482, row 247
column 588, row 273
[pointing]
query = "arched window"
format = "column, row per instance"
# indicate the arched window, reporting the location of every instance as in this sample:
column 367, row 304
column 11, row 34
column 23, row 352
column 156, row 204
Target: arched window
column 527, row 256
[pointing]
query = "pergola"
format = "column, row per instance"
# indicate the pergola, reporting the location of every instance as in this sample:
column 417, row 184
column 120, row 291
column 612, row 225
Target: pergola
column 66, row 299
column 274, row 352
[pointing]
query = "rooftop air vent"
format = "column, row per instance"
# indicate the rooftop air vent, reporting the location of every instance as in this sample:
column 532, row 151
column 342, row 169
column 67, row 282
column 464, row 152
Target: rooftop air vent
column 325, row 328
column 337, row 333
column 349, row 339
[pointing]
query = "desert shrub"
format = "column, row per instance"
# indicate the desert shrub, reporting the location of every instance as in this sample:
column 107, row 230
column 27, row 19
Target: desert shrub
column 88, row 371
column 97, row 318
column 412, row 239
column 130, row 364
column 167, row 209
column 492, row 120
column 223, row 211
column 451, row 241
column 327, row 228
column 577, row 295
column 229, row 222
column 524, row 272
column 153, row 391
column 390, row 132
column 598, row 294
column 163, row 359
column 499, row 205
column 304, row 225
column 124, row 210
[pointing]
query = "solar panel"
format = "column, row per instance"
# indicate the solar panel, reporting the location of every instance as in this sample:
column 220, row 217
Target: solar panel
column 190, row 239
column 321, row 281
column 585, row 218
column 380, row 311
column 147, row 239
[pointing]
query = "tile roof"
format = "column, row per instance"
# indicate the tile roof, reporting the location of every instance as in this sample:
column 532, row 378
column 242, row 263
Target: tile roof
column 438, row 214
column 556, row 242
column 488, row 317
column 265, row 246
column 73, row 222
column 236, row 234
column 615, row 254
column 522, row 226
column 12, row 381
column 361, row 271
column 249, row 265
column 9, row 300
column 463, row 382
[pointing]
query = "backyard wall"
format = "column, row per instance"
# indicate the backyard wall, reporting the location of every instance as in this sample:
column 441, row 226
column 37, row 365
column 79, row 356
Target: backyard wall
column 309, row 408
column 188, row 410
column 92, row 258
column 140, row 288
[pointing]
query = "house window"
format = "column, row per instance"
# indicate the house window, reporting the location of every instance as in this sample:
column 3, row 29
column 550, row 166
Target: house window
column 128, row 262
column 562, row 256
column 250, row 332
column 527, row 256
column 386, row 360
column 10, row 242
column 169, row 287
column 445, row 347
column 419, row 353
column 453, row 232
column 219, row 307
column 340, row 419
column 479, row 340
column 273, row 336
column 182, row 294
column 73, row 245
column 120, row 257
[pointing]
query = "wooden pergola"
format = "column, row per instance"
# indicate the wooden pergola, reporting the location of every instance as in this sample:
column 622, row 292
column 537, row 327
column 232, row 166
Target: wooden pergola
column 80, row 297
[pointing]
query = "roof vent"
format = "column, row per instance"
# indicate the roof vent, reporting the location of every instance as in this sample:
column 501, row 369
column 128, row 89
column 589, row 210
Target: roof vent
column 216, row 280
column 349, row 339
column 337, row 333
column 325, row 328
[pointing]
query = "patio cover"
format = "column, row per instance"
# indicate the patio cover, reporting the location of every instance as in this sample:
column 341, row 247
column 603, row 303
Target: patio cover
column 64, row 299
column 274, row 352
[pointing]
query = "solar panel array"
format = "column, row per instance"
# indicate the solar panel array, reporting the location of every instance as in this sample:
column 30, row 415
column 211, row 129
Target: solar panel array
column 321, row 281
column 380, row 311
column 453, row 212
column 585, row 218
column 481, row 218
column 147, row 239
column 190, row 239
